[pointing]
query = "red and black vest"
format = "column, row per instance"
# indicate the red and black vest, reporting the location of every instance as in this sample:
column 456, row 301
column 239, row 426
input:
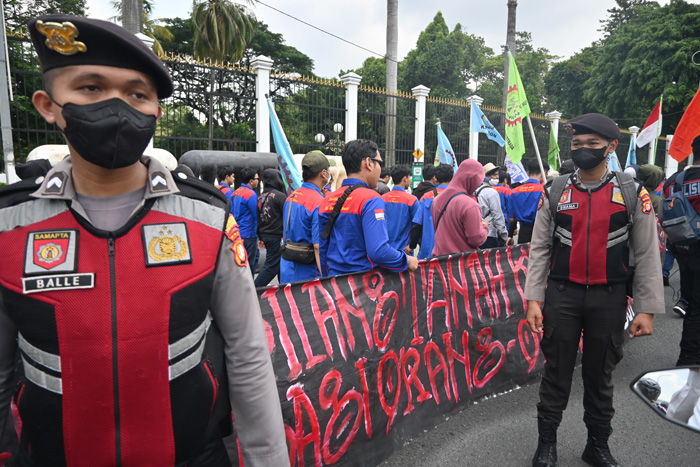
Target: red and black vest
column 591, row 233
column 113, row 330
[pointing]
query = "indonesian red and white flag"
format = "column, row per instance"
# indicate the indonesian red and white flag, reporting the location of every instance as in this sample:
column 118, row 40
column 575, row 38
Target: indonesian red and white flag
column 652, row 128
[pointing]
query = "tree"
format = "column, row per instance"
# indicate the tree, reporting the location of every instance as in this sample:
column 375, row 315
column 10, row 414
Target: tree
column 132, row 15
column 222, row 30
column 647, row 57
column 148, row 26
column 622, row 14
column 19, row 12
column 436, row 61
column 565, row 83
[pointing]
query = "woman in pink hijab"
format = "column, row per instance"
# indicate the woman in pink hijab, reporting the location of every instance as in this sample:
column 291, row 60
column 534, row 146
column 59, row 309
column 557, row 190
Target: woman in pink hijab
column 460, row 227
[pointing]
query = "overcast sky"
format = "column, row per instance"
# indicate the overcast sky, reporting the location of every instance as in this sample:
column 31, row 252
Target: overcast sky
column 564, row 27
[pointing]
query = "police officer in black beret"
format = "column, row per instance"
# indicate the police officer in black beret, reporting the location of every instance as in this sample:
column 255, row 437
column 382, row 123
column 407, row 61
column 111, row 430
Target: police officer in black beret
column 125, row 288
column 587, row 225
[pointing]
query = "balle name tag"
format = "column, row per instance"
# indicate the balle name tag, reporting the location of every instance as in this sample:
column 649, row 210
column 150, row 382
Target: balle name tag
column 58, row 282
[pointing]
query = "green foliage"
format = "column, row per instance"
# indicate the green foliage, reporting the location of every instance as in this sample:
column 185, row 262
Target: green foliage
column 222, row 30
column 647, row 57
column 183, row 36
column 564, row 84
column 159, row 33
column 373, row 72
column 19, row 12
column 436, row 61
column 622, row 14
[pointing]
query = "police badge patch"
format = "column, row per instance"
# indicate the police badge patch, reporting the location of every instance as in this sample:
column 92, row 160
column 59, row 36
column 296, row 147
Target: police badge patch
column 51, row 251
column 239, row 252
column 541, row 202
column 166, row 244
column 647, row 208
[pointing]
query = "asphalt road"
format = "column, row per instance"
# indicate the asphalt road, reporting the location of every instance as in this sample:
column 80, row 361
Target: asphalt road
column 502, row 430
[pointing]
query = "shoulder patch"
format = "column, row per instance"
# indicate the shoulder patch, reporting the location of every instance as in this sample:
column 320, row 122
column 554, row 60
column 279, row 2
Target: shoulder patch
column 541, row 201
column 239, row 252
column 646, row 201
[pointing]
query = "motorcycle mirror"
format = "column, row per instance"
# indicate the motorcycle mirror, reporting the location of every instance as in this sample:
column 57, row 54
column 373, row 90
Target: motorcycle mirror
column 673, row 393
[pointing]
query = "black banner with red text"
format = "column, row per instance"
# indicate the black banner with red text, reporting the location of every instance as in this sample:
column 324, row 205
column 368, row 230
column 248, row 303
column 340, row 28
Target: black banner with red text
column 366, row 361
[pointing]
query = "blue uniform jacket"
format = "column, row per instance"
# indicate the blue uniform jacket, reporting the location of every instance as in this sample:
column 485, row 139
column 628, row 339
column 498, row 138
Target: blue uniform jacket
column 303, row 227
column 226, row 189
column 245, row 211
column 359, row 240
column 402, row 210
column 525, row 199
column 505, row 193
column 428, row 239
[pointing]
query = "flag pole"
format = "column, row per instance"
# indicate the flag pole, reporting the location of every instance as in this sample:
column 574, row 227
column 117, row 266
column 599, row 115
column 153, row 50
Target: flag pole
column 537, row 150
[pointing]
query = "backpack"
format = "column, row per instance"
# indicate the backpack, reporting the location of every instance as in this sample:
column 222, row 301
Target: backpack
column 680, row 220
column 475, row 197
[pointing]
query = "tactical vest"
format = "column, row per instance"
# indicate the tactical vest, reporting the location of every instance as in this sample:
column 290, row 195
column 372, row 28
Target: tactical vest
column 119, row 364
column 591, row 233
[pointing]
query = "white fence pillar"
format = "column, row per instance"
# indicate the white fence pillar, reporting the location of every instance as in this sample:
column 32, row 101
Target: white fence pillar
column 671, row 164
column 352, row 82
column 474, row 135
column 554, row 116
column 262, row 66
column 421, row 92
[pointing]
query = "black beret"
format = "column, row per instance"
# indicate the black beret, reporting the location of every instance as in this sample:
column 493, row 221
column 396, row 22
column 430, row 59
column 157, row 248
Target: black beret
column 63, row 40
column 595, row 123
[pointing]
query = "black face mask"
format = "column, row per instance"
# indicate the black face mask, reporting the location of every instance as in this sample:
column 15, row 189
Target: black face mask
column 111, row 134
column 587, row 158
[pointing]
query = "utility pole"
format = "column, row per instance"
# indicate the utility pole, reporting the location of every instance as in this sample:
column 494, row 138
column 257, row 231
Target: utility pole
column 392, row 41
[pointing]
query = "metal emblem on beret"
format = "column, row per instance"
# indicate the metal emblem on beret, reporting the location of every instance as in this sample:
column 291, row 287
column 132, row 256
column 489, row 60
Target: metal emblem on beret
column 166, row 244
column 61, row 37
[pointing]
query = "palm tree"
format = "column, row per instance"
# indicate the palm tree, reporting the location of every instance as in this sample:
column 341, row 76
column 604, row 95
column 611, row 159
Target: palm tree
column 392, row 41
column 222, row 30
column 149, row 26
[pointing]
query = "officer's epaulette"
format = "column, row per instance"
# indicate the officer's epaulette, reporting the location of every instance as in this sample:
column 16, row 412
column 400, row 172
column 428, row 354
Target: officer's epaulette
column 197, row 189
column 18, row 192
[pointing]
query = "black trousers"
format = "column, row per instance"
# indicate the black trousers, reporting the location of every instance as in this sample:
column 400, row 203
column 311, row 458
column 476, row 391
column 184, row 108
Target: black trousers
column 599, row 312
column 689, row 269
column 525, row 232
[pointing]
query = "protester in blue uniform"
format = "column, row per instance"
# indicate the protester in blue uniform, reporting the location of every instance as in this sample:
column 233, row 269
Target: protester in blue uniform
column 443, row 174
column 226, row 178
column 525, row 198
column 356, row 239
column 300, row 217
column 245, row 211
column 402, row 208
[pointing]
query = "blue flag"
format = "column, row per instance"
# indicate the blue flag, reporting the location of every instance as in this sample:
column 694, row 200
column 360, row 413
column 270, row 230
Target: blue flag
column 632, row 154
column 614, row 162
column 517, row 171
column 290, row 172
column 481, row 124
column 446, row 154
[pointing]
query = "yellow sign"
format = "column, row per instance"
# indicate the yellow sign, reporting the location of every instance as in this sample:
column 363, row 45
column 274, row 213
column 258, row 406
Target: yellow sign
column 417, row 153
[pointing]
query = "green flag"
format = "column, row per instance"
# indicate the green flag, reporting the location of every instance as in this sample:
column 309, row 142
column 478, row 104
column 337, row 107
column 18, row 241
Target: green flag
column 517, row 109
column 553, row 149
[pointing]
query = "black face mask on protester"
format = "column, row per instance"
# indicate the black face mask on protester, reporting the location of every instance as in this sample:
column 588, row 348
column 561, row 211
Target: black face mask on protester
column 111, row 133
column 588, row 158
